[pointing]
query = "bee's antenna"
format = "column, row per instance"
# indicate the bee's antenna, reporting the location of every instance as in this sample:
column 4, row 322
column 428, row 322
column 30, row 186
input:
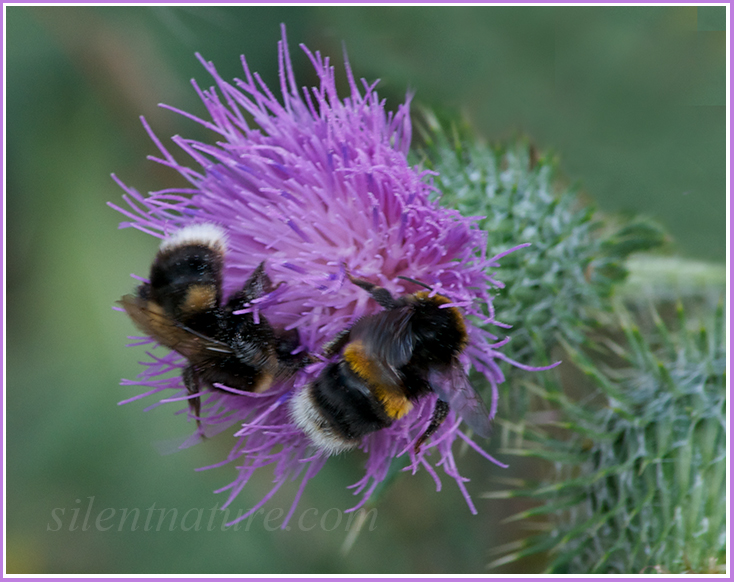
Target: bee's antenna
column 416, row 282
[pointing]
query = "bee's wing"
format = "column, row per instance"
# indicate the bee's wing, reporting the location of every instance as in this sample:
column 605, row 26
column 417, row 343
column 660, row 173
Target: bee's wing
column 452, row 386
column 388, row 342
column 388, row 336
column 152, row 320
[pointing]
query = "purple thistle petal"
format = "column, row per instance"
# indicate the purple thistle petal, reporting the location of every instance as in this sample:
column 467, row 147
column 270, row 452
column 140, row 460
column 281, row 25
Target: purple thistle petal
column 312, row 183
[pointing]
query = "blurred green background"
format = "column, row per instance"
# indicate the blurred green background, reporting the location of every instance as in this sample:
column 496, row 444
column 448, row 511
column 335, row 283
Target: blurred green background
column 633, row 98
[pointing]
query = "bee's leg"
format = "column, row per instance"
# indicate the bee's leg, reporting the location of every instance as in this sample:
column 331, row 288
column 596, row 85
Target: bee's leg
column 329, row 348
column 440, row 412
column 286, row 341
column 337, row 343
column 258, row 284
column 191, row 381
column 379, row 294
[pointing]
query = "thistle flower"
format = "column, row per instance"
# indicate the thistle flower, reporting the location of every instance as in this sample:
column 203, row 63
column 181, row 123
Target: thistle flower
column 316, row 186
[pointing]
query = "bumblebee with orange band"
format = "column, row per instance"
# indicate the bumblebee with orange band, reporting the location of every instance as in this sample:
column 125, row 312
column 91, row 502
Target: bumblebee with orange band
column 388, row 361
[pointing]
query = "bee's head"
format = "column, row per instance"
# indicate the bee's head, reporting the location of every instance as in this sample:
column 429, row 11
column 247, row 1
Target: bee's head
column 440, row 331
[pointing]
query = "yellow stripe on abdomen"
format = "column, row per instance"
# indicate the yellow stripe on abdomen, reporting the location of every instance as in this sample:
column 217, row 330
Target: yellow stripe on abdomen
column 396, row 405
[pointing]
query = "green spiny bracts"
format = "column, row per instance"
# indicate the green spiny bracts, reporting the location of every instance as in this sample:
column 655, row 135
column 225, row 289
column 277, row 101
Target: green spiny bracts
column 640, row 484
column 569, row 271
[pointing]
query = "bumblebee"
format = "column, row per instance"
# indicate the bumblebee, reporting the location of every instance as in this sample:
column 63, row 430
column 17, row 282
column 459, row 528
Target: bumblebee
column 387, row 362
column 181, row 308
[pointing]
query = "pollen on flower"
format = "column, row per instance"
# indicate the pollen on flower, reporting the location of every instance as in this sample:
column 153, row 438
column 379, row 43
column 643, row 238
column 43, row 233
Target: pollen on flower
column 316, row 187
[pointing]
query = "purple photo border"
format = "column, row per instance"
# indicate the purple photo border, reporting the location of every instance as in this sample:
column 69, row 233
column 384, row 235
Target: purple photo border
column 730, row 298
